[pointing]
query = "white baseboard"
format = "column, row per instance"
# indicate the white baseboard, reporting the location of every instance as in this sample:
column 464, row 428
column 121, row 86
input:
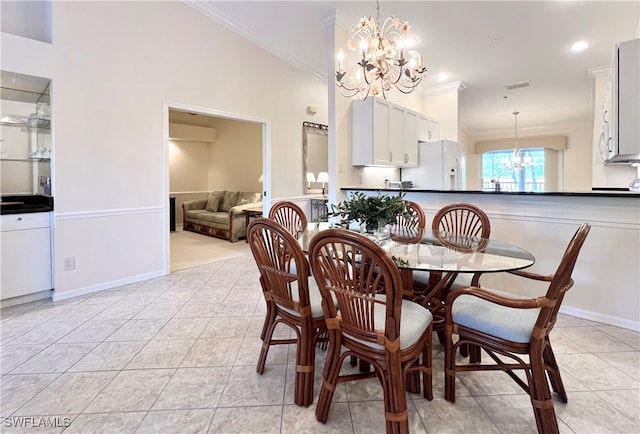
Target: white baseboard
column 599, row 317
column 42, row 295
column 56, row 296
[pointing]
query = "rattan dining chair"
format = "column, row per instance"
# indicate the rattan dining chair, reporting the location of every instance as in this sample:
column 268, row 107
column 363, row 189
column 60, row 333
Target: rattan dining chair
column 373, row 324
column 408, row 225
column 289, row 215
column 462, row 219
column 508, row 326
column 292, row 299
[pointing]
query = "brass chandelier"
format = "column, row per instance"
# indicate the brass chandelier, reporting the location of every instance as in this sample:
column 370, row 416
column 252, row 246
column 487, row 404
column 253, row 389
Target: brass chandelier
column 383, row 65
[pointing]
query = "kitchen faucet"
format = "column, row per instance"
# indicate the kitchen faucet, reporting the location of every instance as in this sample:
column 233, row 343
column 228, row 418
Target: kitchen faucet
column 496, row 184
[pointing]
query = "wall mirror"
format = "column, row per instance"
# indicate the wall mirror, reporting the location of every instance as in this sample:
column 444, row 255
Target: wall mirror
column 316, row 157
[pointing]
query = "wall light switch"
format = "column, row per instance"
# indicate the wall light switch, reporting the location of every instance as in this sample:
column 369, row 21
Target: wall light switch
column 70, row 263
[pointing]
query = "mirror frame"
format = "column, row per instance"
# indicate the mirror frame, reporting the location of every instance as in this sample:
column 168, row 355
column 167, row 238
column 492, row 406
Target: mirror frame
column 317, row 129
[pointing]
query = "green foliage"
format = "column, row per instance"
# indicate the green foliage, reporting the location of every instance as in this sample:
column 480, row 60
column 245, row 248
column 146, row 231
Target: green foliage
column 370, row 210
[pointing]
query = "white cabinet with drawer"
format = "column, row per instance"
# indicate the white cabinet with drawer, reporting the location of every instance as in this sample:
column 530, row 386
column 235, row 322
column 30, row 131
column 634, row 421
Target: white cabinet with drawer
column 25, row 248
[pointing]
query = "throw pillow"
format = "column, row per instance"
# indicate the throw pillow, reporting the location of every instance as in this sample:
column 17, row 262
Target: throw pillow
column 229, row 201
column 248, row 197
column 242, row 201
column 213, row 203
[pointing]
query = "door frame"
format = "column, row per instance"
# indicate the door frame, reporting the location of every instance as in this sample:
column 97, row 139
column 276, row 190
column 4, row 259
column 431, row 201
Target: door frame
column 266, row 159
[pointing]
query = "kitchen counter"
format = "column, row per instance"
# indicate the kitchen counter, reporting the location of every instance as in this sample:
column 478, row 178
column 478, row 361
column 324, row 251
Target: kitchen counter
column 25, row 204
column 592, row 193
column 606, row 275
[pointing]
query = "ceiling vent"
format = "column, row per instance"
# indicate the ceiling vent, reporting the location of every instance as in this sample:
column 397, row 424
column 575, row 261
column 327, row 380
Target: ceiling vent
column 517, row 85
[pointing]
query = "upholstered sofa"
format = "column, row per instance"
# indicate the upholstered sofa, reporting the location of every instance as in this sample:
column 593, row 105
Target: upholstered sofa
column 221, row 214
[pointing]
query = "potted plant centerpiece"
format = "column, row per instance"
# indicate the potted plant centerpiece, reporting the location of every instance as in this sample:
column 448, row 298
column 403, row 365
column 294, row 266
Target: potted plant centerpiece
column 375, row 212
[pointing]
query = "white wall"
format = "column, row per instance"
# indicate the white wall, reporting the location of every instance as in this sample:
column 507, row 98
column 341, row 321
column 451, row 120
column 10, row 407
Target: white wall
column 235, row 158
column 188, row 166
column 442, row 104
column 113, row 66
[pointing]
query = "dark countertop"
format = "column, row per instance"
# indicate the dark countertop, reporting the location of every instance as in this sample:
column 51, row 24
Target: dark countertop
column 593, row 193
column 24, row 204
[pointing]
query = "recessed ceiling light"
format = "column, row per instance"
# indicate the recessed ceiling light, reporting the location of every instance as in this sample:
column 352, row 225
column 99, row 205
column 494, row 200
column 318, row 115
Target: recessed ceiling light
column 579, row 46
column 442, row 76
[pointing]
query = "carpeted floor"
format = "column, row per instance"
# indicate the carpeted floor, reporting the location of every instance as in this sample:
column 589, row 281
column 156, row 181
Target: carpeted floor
column 189, row 249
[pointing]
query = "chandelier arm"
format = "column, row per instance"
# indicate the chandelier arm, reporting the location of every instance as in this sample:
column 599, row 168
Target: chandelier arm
column 383, row 64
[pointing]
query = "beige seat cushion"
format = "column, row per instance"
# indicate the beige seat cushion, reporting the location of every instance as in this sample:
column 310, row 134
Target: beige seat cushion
column 415, row 320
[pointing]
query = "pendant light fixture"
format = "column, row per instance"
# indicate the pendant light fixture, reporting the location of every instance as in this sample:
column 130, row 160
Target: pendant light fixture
column 518, row 161
column 383, row 65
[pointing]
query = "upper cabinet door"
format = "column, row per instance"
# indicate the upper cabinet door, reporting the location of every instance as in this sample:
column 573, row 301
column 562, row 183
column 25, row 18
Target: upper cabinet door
column 410, row 135
column 428, row 129
column 396, row 135
column 381, row 132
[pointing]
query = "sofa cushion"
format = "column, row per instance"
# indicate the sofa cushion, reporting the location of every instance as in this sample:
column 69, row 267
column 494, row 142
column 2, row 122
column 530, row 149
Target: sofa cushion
column 195, row 213
column 213, row 203
column 215, row 217
column 229, row 201
column 246, row 197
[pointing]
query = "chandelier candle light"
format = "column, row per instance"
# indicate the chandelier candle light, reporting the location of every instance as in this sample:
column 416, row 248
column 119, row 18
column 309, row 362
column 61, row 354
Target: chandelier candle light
column 518, row 162
column 383, row 64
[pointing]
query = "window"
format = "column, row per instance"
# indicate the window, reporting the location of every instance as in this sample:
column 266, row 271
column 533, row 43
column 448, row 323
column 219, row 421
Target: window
column 498, row 165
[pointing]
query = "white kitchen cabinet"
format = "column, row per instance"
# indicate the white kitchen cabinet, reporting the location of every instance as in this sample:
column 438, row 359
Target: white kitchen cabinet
column 384, row 134
column 410, row 137
column 396, row 135
column 428, row 129
column 25, row 246
column 371, row 132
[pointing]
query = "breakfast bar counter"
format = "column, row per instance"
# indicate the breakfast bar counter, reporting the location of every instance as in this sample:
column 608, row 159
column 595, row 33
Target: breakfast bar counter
column 607, row 276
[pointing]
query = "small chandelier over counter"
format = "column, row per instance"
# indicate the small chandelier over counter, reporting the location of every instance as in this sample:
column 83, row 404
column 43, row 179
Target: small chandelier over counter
column 383, row 65
column 517, row 161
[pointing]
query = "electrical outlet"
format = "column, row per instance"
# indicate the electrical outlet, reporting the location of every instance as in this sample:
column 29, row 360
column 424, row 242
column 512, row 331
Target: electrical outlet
column 70, row 263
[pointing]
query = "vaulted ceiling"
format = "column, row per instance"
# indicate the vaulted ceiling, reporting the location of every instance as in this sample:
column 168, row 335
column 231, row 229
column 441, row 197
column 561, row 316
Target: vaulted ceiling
column 484, row 44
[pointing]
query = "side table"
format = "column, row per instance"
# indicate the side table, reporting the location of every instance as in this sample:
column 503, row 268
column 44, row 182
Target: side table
column 319, row 210
column 248, row 213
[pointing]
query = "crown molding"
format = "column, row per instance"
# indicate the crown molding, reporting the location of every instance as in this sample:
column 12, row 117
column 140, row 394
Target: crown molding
column 600, row 71
column 204, row 8
column 457, row 86
column 334, row 19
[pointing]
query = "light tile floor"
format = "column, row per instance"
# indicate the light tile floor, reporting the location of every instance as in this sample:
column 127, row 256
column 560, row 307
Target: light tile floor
column 178, row 354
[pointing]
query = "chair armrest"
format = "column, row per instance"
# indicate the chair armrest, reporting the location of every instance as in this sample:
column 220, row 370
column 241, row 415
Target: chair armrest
column 194, row 204
column 517, row 303
column 531, row 275
column 234, row 211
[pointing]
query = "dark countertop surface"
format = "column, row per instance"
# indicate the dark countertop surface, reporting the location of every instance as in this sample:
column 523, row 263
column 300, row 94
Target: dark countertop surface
column 592, row 193
column 24, row 204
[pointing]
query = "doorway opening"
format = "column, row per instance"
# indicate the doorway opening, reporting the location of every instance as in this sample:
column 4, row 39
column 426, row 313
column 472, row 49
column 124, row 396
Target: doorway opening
column 208, row 150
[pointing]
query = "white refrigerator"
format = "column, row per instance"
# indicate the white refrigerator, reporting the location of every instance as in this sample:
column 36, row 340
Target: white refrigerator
column 439, row 166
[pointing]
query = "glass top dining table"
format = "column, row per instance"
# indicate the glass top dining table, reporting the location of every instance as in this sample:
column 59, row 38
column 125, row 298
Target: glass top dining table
column 444, row 252
column 427, row 250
